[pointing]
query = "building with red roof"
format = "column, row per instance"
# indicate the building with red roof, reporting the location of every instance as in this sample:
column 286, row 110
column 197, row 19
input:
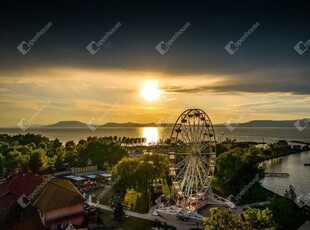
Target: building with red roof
column 53, row 203
column 15, row 187
column 12, row 214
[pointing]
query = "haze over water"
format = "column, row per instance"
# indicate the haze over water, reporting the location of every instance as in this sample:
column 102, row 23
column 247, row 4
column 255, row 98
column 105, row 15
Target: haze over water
column 153, row 134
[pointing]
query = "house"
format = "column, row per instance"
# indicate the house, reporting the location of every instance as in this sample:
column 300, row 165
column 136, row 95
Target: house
column 13, row 213
column 15, row 187
column 59, row 204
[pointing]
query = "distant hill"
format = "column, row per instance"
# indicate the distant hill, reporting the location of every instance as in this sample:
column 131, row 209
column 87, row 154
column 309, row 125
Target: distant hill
column 78, row 124
column 67, row 124
column 255, row 123
column 270, row 123
column 128, row 124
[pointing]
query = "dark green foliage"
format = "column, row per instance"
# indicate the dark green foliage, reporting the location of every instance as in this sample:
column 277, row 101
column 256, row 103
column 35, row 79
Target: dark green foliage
column 250, row 219
column 38, row 160
column 100, row 152
column 38, row 154
column 237, row 168
column 290, row 193
column 118, row 208
column 138, row 173
column 282, row 210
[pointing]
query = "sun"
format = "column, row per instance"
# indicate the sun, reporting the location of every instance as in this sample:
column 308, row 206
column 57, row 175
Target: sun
column 150, row 91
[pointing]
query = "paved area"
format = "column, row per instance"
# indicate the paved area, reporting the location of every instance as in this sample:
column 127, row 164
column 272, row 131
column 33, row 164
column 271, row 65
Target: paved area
column 178, row 224
column 305, row 226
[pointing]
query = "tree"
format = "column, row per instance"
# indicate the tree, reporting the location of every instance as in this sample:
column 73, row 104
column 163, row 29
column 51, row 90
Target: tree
column 275, row 149
column 43, row 145
column 38, row 160
column 138, row 173
column 24, row 162
column 1, row 163
column 221, row 148
column 71, row 157
column 221, row 219
column 237, row 168
column 70, row 146
column 13, row 161
column 251, row 218
column 118, row 208
column 258, row 219
column 56, row 143
column 290, row 193
column 282, row 209
column 60, row 158
column 99, row 151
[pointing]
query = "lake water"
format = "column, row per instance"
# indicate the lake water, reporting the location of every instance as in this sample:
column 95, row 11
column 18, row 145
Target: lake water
column 299, row 175
column 152, row 134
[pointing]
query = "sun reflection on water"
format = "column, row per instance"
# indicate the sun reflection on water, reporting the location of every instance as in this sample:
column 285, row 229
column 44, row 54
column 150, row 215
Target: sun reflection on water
column 151, row 135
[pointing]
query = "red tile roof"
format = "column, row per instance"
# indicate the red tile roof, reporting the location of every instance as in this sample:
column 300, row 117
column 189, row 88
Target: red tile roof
column 19, row 185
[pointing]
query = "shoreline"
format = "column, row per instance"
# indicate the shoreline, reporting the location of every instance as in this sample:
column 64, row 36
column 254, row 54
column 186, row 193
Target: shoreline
column 282, row 155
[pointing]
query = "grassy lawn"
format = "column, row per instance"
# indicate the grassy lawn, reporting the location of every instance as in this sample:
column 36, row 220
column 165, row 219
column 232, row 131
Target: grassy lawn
column 258, row 194
column 135, row 201
column 128, row 222
column 165, row 188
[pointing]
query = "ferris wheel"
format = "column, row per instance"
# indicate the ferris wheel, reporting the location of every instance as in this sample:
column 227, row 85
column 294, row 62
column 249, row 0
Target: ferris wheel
column 193, row 139
column 192, row 164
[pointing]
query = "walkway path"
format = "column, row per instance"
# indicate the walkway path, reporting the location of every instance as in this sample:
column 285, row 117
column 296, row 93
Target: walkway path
column 305, row 226
column 178, row 224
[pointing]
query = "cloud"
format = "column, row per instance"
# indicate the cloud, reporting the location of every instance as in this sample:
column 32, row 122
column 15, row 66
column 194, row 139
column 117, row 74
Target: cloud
column 267, row 81
column 4, row 90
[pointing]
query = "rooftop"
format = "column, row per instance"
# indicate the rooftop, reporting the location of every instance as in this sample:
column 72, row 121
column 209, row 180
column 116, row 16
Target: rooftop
column 21, row 184
column 58, row 193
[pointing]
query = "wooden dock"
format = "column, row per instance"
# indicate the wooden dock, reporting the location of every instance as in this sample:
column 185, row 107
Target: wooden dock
column 269, row 174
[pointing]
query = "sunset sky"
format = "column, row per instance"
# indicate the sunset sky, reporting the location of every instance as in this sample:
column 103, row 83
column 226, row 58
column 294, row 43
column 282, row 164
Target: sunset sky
column 132, row 80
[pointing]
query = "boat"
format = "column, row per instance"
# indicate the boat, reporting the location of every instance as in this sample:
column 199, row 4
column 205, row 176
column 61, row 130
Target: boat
column 307, row 164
